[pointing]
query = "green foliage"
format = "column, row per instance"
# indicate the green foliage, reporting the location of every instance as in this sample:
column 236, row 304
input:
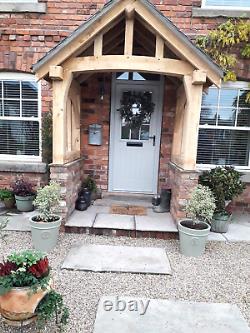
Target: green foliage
column 47, row 140
column 52, row 307
column 201, row 205
column 48, row 201
column 15, row 272
column 225, row 183
column 6, row 194
column 90, row 183
column 219, row 43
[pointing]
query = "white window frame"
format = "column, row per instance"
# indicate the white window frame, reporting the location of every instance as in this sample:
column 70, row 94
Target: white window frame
column 203, row 5
column 10, row 76
column 237, row 85
column 18, row 1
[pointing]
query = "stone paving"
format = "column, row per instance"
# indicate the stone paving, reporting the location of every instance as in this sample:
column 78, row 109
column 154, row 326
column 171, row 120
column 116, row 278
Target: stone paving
column 139, row 315
column 126, row 259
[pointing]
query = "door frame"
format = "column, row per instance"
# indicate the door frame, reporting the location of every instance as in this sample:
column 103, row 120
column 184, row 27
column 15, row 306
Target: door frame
column 130, row 83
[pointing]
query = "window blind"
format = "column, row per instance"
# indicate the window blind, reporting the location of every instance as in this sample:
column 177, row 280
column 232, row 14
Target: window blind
column 227, row 3
column 224, row 134
column 19, row 118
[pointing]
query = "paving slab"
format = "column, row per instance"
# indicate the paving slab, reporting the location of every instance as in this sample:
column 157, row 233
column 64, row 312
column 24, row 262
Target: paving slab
column 19, row 222
column 81, row 219
column 238, row 232
column 118, row 314
column 162, row 222
column 127, row 259
column 114, row 221
column 214, row 236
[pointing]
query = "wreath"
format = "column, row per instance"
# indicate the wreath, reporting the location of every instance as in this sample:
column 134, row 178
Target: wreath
column 136, row 108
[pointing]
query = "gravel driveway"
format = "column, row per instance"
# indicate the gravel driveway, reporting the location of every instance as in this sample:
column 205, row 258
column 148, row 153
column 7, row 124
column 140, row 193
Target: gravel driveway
column 221, row 275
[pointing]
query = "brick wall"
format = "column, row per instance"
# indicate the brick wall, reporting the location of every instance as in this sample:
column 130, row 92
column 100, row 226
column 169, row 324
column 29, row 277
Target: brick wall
column 96, row 111
column 36, row 179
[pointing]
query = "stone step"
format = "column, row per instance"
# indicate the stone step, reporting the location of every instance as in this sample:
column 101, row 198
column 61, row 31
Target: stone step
column 97, row 221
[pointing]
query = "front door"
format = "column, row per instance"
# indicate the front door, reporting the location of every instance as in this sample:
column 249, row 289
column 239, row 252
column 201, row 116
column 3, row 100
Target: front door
column 134, row 150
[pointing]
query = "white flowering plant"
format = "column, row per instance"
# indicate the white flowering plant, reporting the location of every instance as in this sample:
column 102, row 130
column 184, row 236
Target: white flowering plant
column 47, row 202
column 201, row 205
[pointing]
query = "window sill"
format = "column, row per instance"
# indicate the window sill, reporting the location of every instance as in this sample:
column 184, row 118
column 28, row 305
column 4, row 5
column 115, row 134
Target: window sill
column 23, row 7
column 208, row 12
column 26, row 167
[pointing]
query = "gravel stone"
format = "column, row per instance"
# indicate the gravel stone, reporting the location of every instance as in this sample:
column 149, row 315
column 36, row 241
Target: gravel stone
column 221, row 275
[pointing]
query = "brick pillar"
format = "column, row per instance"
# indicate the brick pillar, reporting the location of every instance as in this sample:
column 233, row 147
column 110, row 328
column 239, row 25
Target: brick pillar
column 69, row 176
column 182, row 183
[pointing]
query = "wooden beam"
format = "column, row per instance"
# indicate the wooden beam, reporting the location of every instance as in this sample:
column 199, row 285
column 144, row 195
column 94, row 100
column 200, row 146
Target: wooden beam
column 117, row 63
column 199, row 77
column 129, row 36
column 98, row 45
column 159, row 47
column 56, row 73
column 84, row 38
column 178, row 46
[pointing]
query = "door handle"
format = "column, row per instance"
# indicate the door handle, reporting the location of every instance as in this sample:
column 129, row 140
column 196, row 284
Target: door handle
column 153, row 138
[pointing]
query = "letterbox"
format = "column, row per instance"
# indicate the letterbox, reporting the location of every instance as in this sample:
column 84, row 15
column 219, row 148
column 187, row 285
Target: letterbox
column 95, row 134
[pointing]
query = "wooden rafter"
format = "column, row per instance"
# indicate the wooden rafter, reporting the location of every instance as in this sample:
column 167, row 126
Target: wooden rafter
column 129, row 36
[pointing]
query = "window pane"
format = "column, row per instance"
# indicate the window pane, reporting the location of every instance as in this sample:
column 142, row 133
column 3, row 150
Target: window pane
column 122, row 76
column 135, row 132
column 125, row 132
column 208, row 116
column 228, row 3
column 1, row 108
column 29, row 108
column 1, row 82
column 19, row 137
column 29, row 90
column 243, row 117
column 11, row 108
column 210, row 98
column 226, row 117
column 228, row 97
column 144, row 132
column 11, row 89
column 223, row 147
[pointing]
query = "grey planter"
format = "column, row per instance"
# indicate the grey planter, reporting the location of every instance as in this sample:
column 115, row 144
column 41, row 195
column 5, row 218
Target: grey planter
column 220, row 223
column 45, row 235
column 192, row 241
column 24, row 204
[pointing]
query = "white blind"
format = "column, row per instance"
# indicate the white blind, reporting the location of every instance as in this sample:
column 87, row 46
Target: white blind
column 19, row 122
column 227, row 3
column 224, row 134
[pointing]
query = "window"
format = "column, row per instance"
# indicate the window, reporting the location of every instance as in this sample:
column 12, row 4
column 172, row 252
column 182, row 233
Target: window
column 224, row 131
column 20, row 117
column 226, row 4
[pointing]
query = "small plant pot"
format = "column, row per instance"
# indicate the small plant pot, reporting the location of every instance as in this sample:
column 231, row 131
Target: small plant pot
column 9, row 203
column 24, row 204
column 18, row 306
column 44, row 234
column 193, row 241
column 220, row 223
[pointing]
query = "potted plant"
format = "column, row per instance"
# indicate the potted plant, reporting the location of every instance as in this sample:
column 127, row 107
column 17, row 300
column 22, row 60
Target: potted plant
column 26, row 293
column 194, row 230
column 90, row 184
column 7, row 197
column 24, row 195
column 225, row 183
column 46, row 224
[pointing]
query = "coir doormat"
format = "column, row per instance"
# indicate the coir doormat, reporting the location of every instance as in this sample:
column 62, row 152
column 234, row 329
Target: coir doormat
column 128, row 210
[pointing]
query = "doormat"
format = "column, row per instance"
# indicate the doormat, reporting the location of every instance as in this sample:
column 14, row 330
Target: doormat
column 128, row 210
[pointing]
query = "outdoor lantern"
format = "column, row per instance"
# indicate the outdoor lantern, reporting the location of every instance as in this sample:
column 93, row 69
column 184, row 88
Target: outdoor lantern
column 95, row 134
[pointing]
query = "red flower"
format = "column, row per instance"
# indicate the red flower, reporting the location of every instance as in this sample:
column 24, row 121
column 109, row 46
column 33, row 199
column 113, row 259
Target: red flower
column 40, row 269
column 7, row 267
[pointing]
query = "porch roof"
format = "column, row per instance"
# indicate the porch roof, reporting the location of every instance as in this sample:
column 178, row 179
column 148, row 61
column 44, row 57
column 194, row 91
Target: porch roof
column 89, row 29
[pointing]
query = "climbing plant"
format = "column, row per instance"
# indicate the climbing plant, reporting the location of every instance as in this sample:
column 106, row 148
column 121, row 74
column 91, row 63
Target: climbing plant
column 221, row 43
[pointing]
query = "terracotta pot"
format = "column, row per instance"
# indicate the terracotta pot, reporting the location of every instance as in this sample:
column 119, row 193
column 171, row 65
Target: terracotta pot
column 19, row 304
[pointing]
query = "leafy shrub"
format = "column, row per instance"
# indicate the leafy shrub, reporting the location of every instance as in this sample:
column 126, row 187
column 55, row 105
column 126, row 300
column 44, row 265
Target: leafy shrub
column 22, row 188
column 225, row 183
column 48, row 201
column 6, row 194
column 201, row 205
column 90, row 183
